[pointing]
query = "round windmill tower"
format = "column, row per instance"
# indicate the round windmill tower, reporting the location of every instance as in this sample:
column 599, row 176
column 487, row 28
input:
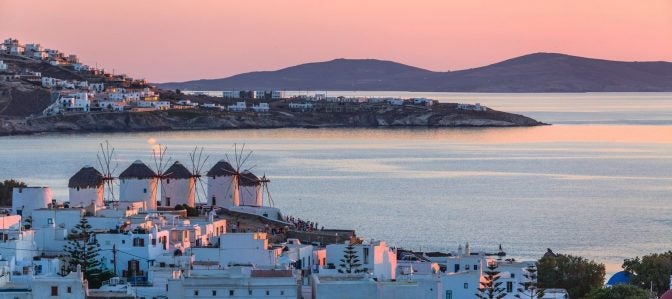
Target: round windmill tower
column 250, row 189
column 138, row 183
column 86, row 187
column 222, row 186
column 178, row 186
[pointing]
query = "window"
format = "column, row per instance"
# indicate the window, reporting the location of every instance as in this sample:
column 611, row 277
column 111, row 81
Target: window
column 449, row 294
column 154, row 242
column 466, row 285
column 282, row 292
column 466, row 267
column 69, row 290
column 230, row 292
column 366, row 255
column 168, row 201
column 268, row 292
column 513, row 275
column 77, row 188
column 195, row 292
column 54, row 290
column 475, row 267
column 167, row 181
column 214, row 293
column 249, row 292
column 144, row 190
column 138, row 242
column 214, row 200
column 509, row 286
column 50, row 220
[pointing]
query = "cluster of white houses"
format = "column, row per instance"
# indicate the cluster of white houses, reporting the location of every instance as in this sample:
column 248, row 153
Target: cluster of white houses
column 157, row 252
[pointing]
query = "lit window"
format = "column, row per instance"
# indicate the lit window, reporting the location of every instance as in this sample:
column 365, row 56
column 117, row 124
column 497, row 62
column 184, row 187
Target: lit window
column 54, row 291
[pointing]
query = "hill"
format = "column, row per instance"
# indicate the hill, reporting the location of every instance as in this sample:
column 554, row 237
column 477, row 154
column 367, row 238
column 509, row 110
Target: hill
column 539, row 72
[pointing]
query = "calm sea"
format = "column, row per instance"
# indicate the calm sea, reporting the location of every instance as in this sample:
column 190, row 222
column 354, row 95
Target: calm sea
column 598, row 183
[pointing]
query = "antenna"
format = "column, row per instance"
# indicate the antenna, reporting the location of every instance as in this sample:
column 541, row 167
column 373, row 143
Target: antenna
column 264, row 187
column 105, row 156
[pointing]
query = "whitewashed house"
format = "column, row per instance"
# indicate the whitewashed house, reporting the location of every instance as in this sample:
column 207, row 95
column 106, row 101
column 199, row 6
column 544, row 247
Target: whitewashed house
column 97, row 87
column 135, row 250
column 239, row 249
column 250, row 189
column 86, row 187
column 178, row 186
column 222, row 187
column 3, row 66
column 138, row 183
column 303, row 107
column 52, row 226
column 27, row 199
column 235, row 282
column 377, row 257
column 261, row 108
column 238, row 107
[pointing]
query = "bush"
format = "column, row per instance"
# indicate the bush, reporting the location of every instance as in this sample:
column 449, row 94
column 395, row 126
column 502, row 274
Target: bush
column 6, row 191
column 621, row 291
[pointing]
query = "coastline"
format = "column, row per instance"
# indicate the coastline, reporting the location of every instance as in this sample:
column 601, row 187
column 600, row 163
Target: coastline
column 187, row 120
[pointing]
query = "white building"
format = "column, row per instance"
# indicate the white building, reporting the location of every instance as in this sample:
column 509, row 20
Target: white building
column 474, row 107
column 52, row 226
column 27, row 199
column 303, row 107
column 76, row 102
column 261, row 108
column 377, row 257
column 236, row 282
column 250, row 189
column 223, row 185
column 239, row 249
column 135, row 251
column 138, row 184
column 3, row 66
column 86, row 187
column 178, row 186
column 238, row 107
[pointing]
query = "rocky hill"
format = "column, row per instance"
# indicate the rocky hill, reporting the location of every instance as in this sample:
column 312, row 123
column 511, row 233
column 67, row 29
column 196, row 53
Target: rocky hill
column 441, row 115
column 539, row 72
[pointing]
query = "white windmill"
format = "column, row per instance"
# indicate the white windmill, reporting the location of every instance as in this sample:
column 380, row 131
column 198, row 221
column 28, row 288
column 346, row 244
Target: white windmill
column 105, row 160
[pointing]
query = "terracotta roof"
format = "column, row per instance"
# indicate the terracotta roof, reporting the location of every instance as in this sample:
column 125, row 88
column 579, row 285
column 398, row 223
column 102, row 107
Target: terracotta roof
column 87, row 177
column 137, row 170
column 222, row 168
column 177, row 171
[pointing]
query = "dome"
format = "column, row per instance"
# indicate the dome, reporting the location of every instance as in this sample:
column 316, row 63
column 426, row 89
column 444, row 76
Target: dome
column 667, row 295
column 248, row 179
column 222, row 168
column 619, row 278
column 87, row 177
column 177, row 171
column 137, row 170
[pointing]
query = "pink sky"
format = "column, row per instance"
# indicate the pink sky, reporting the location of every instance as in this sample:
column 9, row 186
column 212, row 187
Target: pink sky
column 184, row 40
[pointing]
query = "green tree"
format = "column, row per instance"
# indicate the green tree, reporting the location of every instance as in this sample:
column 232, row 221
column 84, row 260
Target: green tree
column 621, row 291
column 529, row 289
column 83, row 250
column 651, row 270
column 350, row 261
column 6, row 191
column 574, row 273
column 491, row 287
column 191, row 211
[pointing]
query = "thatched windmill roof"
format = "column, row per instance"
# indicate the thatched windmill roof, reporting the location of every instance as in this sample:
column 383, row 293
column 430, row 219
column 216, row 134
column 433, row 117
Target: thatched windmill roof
column 248, row 179
column 177, row 171
column 87, row 177
column 222, row 168
column 137, row 170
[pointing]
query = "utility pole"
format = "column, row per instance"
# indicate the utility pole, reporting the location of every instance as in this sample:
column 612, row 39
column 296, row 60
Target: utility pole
column 114, row 257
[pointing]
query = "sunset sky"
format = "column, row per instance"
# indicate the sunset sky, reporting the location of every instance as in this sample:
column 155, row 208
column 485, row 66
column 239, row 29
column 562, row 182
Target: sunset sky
column 184, row 40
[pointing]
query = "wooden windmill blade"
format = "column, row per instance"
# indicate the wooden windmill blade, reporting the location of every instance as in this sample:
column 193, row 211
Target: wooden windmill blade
column 160, row 166
column 105, row 156
column 264, row 187
column 197, row 164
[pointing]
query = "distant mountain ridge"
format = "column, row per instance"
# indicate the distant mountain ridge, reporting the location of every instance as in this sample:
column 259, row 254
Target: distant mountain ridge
column 538, row 72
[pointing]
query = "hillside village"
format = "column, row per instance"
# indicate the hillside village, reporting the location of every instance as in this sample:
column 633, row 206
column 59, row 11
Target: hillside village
column 76, row 88
column 190, row 230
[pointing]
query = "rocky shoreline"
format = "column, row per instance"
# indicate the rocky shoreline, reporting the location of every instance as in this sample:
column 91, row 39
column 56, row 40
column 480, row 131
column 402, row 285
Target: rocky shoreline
column 209, row 120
